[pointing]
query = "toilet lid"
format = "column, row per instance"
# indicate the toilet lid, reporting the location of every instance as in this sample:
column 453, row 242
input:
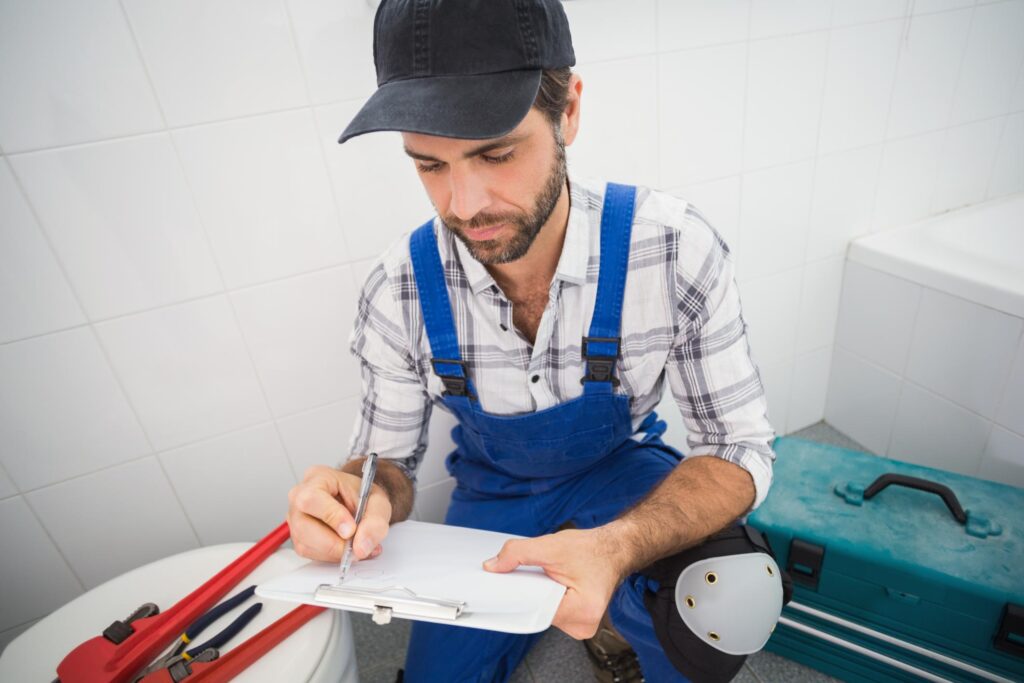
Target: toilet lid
column 34, row 655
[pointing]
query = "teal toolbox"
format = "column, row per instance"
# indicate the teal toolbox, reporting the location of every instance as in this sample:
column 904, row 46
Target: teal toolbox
column 888, row 584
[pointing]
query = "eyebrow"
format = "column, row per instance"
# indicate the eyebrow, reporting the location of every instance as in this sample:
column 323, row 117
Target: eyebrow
column 482, row 149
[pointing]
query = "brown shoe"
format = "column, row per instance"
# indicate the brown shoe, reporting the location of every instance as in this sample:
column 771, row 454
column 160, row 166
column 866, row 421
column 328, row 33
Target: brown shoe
column 613, row 659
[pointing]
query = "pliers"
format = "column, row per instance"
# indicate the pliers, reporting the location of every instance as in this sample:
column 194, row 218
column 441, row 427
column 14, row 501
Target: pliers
column 178, row 660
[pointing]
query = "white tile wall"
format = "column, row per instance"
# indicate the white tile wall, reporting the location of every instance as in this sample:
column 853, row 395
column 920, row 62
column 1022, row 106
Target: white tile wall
column 186, row 371
column 367, row 173
column 217, row 60
column 601, row 31
column 982, row 342
column 1008, row 172
column 34, row 294
column 262, row 190
column 73, row 71
column 774, row 214
column 121, row 220
column 965, row 165
column 843, row 200
column 298, row 330
column 771, row 308
column 700, row 111
column 785, row 82
column 810, row 387
column 36, row 577
column 929, row 430
column 335, row 42
column 906, row 180
column 180, row 232
column 876, row 316
column 319, row 436
column 1003, row 459
column 7, row 488
column 781, row 17
column 991, row 61
column 62, row 413
column 931, row 53
column 819, row 304
column 955, row 403
column 1011, row 412
column 862, row 399
column 614, row 88
column 852, row 12
column 113, row 520
column 255, row 503
column 684, row 24
column 858, row 85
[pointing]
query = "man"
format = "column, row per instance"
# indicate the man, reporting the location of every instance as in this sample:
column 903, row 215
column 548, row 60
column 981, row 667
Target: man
column 545, row 312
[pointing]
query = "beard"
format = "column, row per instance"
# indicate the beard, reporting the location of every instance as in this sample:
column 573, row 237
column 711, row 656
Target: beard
column 525, row 226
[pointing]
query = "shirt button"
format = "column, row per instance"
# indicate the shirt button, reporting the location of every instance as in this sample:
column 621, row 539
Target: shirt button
column 502, row 326
column 535, row 379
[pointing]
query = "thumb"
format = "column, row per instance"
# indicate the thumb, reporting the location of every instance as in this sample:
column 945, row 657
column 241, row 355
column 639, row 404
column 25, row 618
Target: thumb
column 513, row 554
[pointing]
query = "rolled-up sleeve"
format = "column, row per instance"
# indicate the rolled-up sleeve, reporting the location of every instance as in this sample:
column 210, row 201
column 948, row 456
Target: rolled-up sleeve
column 711, row 373
column 395, row 409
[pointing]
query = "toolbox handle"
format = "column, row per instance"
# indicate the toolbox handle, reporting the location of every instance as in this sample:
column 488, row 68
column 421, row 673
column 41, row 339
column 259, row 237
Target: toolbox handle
column 921, row 484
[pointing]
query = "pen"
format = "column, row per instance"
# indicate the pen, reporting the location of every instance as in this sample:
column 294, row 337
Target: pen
column 369, row 470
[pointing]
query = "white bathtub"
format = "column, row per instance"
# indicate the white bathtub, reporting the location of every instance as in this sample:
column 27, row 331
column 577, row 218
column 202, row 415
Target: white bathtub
column 928, row 365
column 975, row 253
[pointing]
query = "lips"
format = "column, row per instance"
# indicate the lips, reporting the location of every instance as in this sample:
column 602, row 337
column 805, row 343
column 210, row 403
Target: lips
column 481, row 234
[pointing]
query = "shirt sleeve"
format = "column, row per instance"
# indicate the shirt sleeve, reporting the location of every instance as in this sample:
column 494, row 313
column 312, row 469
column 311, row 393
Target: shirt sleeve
column 395, row 410
column 712, row 376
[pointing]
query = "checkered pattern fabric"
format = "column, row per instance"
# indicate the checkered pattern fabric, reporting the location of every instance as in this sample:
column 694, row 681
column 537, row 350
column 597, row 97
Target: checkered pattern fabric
column 681, row 322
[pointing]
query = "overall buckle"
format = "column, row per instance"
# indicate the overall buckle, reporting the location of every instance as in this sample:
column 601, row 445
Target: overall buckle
column 600, row 368
column 454, row 386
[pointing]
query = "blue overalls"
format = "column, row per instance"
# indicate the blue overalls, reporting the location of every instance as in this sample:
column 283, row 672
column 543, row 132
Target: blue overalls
column 529, row 474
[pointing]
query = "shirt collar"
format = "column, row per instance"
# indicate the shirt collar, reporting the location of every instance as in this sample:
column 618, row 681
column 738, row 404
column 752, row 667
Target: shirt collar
column 572, row 263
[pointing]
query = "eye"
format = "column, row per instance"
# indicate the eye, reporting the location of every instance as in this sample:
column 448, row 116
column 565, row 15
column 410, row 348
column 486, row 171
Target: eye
column 429, row 168
column 498, row 159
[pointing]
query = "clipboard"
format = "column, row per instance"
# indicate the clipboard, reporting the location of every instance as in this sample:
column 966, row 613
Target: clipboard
column 434, row 573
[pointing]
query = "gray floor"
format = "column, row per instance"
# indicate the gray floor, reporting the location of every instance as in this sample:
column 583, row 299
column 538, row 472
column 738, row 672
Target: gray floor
column 557, row 658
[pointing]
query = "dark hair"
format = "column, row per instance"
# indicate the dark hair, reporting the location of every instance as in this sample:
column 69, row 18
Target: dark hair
column 554, row 93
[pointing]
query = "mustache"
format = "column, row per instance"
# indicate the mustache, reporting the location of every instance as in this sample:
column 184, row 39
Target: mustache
column 480, row 220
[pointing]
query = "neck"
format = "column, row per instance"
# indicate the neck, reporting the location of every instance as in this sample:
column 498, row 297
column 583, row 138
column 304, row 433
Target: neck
column 539, row 264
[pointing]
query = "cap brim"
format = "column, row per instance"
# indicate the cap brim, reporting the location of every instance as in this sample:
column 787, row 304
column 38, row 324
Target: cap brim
column 470, row 107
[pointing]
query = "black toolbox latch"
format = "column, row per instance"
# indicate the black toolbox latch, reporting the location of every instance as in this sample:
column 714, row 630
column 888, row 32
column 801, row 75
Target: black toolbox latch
column 804, row 562
column 1010, row 637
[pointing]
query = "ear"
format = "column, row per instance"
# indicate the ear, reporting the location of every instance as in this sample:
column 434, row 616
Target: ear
column 571, row 115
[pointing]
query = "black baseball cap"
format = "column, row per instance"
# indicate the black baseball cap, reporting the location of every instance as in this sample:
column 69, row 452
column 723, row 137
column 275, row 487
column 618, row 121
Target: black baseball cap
column 461, row 68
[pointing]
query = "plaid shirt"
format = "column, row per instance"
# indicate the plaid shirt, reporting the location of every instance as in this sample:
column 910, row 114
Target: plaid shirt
column 681, row 320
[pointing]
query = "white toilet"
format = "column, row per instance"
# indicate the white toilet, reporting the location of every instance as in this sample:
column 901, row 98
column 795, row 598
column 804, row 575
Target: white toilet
column 321, row 650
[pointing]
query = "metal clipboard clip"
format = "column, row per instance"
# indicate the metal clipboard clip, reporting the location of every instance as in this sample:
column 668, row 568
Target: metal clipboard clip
column 382, row 606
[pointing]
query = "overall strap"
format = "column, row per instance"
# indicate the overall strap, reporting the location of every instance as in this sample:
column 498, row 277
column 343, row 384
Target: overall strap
column 437, row 313
column 603, row 346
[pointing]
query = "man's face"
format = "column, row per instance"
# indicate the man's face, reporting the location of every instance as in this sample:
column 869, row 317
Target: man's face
column 495, row 195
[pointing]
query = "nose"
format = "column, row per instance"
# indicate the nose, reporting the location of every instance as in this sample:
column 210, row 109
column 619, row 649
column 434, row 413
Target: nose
column 469, row 194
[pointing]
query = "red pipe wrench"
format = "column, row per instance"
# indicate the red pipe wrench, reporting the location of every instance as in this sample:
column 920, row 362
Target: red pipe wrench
column 127, row 647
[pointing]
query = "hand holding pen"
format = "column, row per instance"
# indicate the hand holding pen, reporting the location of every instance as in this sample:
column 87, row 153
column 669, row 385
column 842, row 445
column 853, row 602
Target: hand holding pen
column 369, row 471
column 322, row 510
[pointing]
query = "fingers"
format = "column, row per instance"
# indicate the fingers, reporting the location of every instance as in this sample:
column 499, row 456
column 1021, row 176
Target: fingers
column 519, row 551
column 317, row 500
column 374, row 525
column 313, row 540
column 320, row 516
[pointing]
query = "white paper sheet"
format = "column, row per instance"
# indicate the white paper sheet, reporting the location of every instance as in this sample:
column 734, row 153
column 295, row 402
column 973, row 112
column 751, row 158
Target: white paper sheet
column 439, row 561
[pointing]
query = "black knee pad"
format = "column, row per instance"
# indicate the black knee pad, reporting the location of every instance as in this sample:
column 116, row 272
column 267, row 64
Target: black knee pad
column 717, row 602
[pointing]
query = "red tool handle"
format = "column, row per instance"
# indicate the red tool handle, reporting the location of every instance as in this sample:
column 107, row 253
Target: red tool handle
column 240, row 658
column 99, row 660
